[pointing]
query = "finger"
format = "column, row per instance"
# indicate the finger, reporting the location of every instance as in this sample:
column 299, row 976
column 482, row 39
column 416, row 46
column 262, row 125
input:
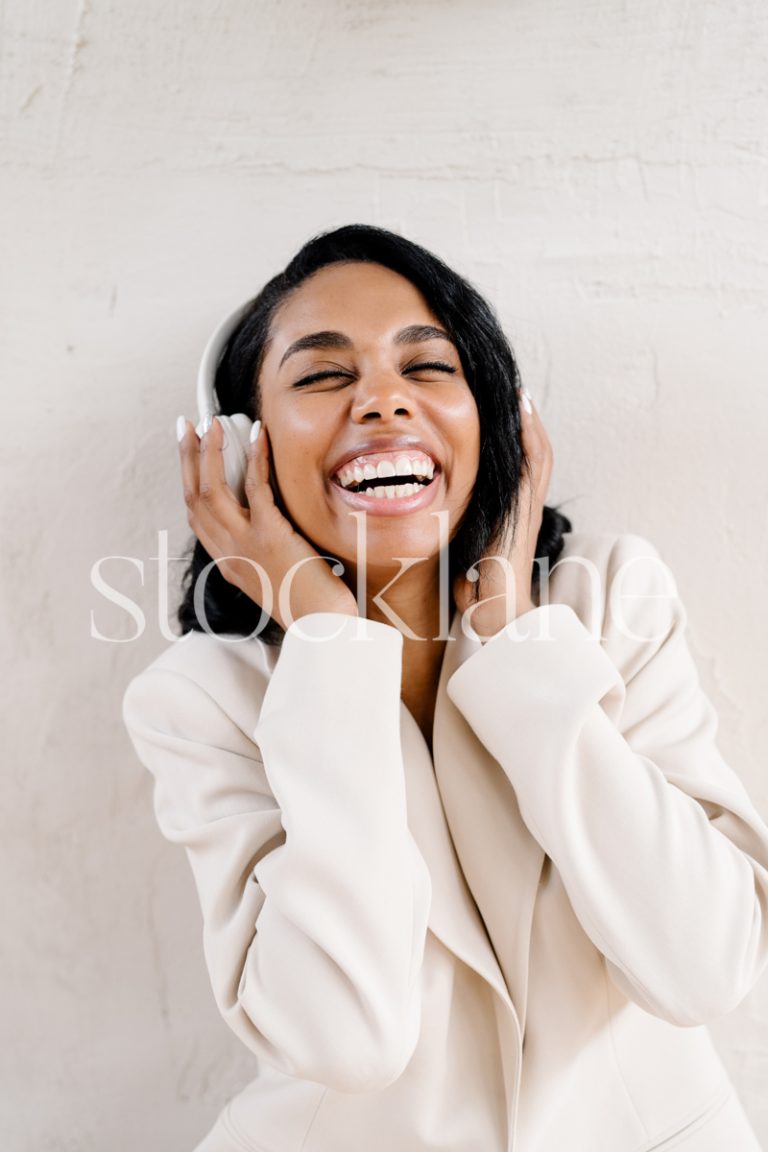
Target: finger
column 526, row 400
column 213, row 527
column 257, row 485
column 537, row 449
column 213, row 488
column 534, row 436
column 530, row 421
column 189, row 452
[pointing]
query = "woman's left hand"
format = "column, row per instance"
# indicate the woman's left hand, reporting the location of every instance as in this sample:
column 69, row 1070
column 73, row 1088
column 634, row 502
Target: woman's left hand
column 505, row 588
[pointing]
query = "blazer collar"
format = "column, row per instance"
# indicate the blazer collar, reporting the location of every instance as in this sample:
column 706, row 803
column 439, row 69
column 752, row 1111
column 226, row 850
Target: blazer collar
column 484, row 863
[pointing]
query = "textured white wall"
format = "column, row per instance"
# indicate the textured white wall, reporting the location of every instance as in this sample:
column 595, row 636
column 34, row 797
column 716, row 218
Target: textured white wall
column 599, row 169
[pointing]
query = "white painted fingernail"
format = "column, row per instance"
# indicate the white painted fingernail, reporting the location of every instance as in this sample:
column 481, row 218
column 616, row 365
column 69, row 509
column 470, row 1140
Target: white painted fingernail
column 527, row 401
column 181, row 427
column 255, row 430
column 206, row 424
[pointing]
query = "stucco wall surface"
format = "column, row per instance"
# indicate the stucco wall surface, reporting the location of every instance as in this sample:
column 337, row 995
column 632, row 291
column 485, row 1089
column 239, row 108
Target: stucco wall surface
column 599, row 169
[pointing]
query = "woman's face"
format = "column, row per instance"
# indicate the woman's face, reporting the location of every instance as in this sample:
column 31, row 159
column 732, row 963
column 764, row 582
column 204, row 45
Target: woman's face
column 390, row 428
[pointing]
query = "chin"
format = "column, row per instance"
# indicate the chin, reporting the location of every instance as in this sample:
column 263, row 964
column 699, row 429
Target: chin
column 386, row 555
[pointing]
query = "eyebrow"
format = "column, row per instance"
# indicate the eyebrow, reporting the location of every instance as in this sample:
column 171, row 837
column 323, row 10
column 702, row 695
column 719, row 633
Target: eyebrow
column 414, row 334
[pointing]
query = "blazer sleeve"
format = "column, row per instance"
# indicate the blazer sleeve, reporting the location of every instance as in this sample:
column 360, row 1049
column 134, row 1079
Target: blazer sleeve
column 618, row 776
column 314, row 895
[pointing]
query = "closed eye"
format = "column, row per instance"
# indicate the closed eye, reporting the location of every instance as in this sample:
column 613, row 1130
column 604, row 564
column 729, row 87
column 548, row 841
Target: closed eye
column 435, row 365
column 330, row 374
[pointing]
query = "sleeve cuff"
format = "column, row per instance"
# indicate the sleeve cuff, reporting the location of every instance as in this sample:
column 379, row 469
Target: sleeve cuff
column 317, row 627
column 546, row 665
column 327, row 661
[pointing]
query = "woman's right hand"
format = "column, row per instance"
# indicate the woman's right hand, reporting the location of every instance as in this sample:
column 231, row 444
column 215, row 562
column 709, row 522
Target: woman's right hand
column 499, row 604
column 256, row 545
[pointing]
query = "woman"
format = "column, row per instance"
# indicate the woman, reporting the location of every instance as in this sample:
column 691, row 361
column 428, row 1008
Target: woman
column 473, row 873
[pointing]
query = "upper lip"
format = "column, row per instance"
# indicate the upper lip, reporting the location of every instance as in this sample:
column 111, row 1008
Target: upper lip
column 406, row 444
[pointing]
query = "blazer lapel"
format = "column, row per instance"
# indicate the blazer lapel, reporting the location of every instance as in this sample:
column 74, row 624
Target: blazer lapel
column 500, row 859
column 453, row 916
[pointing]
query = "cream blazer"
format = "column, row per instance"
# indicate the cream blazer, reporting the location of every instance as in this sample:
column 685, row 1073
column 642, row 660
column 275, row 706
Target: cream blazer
column 513, row 944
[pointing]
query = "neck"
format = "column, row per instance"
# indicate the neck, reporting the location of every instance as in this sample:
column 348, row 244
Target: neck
column 408, row 598
column 412, row 605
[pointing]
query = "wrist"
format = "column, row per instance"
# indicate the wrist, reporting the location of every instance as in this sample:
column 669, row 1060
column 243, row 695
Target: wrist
column 486, row 620
column 344, row 605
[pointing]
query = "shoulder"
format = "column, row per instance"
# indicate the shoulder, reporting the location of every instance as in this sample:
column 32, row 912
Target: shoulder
column 621, row 588
column 202, row 671
column 606, row 548
column 596, row 569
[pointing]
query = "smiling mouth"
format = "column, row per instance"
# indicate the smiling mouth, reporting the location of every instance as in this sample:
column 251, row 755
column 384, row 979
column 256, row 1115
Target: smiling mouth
column 392, row 477
column 389, row 491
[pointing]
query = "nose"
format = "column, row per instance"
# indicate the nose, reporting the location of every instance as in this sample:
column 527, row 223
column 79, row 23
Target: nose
column 381, row 396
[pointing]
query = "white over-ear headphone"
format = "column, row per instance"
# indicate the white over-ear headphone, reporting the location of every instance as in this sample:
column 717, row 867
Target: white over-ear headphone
column 237, row 427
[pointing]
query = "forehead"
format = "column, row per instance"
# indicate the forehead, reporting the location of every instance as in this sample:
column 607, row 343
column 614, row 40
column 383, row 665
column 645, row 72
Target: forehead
column 349, row 296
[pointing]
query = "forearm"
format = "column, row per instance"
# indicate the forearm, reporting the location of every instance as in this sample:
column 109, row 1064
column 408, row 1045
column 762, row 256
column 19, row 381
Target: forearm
column 348, row 893
column 292, row 811
column 651, row 847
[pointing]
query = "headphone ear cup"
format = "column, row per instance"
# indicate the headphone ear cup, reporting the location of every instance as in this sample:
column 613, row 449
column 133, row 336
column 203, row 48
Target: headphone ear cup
column 237, row 431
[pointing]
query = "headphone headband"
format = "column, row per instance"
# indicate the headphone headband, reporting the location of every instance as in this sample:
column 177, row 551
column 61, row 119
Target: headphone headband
column 206, row 374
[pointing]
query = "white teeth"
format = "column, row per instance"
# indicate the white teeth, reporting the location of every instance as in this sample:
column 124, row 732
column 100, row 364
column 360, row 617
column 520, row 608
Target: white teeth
column 391, row 491
column 385, row 469
column 423, row 468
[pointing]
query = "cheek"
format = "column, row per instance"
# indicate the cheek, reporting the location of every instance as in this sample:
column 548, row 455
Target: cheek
column 293, row 463
column 464, row 411
column 467, row 434
column 293, row 466
column 300, row 485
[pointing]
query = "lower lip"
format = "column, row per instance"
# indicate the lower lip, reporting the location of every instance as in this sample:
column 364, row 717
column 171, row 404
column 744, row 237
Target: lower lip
column 390, row 506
